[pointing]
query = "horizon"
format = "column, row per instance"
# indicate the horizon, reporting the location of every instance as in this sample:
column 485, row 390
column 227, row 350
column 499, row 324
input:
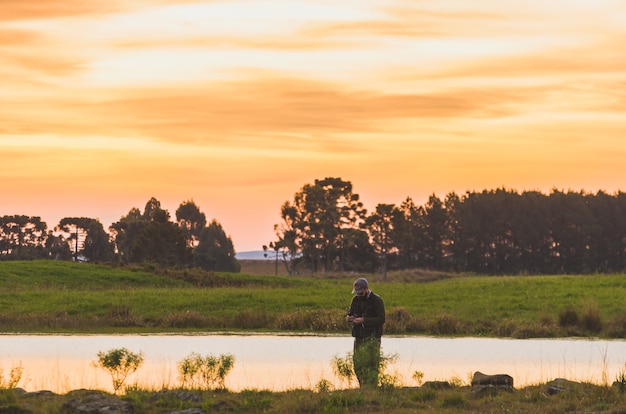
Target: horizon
column 237, row 105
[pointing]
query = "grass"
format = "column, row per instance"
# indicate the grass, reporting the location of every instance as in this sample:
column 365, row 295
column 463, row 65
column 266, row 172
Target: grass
column 59, row 297
column 393, row 400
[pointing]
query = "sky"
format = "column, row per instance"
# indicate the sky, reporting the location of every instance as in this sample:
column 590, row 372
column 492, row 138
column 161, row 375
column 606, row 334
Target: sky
column 237, row 104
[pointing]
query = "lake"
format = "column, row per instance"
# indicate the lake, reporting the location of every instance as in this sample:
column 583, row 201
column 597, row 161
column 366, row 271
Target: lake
column 61, row 363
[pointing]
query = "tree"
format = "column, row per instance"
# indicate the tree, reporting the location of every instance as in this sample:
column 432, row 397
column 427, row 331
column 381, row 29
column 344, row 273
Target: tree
column 574, row 230
column 192, row 221
column 287, row 243
column 532, row 233
column 22, row 237
column 436, row 231
column 358, row 253
column 75, row 230
column 150, row 237
column 57, row 247
column 215, row 250
column 286, row 247
column 161, row 241
column 313, row 224
column 126, row 232
column 380, row 226
column 152, row 206
column 276, row 248
column 408, row 234
column 456, row 247
column 97, row 245
column 87, row 238
column 609, row 248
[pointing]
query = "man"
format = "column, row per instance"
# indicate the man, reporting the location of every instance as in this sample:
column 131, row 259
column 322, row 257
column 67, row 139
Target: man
column 367, row 315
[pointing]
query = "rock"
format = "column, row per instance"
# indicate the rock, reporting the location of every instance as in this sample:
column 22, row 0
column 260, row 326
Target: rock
column 96, row 402
column 42, row 393
column 483, row 383
column 437, row 385
column 559, row 385
column 181, row 395
column 189, row 411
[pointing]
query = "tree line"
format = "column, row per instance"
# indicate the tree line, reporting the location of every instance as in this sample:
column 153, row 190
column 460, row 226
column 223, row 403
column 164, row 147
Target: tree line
column 327, row 228
column 138, row 237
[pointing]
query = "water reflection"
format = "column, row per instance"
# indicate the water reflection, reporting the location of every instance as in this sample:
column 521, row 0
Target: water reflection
column 278, row 362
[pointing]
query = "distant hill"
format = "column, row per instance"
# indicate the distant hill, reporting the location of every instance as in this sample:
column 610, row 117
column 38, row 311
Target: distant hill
column 254, row 255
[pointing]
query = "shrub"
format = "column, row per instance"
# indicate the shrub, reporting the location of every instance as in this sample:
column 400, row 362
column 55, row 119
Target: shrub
column 568, row 317
column 525, row 330
column 323, row 386
column 591, row 320
column 205, row 372
column 418, row 377
column 14, row 377
column 505, row 327
column 344, row 369
column 446, row 324
column 247, row 319
column 397, row 320
column 616, row 328
column 119, row 363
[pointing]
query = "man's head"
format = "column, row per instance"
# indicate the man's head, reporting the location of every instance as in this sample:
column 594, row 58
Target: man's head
column 360, row 286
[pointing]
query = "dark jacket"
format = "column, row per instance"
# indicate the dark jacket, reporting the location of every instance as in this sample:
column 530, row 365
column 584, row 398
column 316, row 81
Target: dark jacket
column 372, row 308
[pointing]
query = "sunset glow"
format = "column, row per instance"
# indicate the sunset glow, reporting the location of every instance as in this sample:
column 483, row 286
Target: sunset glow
column 237, row 104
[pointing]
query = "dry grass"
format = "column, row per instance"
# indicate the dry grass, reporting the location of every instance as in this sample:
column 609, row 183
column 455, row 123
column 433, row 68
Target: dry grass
column 262, row 267
column 269, row 268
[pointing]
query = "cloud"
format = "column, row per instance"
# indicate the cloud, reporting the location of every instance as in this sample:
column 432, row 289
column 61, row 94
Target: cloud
column 13, row 10
column 410, row 22
column 245, row 112
column 17, row 37
column 45, row 9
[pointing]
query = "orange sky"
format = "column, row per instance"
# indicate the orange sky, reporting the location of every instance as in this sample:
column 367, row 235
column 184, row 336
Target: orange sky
column 238, row 104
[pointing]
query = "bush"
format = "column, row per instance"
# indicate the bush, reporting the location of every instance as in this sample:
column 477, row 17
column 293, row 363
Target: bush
column 205, row 372
column 446, row 324
column 344, row 369
column 119, row 363
column 397, row 320
column 591, row 320
column 568, row 317
column 616, row 328
column 246, row 319
column 14, row 377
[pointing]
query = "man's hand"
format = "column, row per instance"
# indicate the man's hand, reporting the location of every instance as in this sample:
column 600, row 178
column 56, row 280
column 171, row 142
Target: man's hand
column 360, row 319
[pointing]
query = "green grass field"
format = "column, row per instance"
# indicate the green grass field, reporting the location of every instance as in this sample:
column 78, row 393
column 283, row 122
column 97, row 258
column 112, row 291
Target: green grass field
column 50, row 296
column 60, row 297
